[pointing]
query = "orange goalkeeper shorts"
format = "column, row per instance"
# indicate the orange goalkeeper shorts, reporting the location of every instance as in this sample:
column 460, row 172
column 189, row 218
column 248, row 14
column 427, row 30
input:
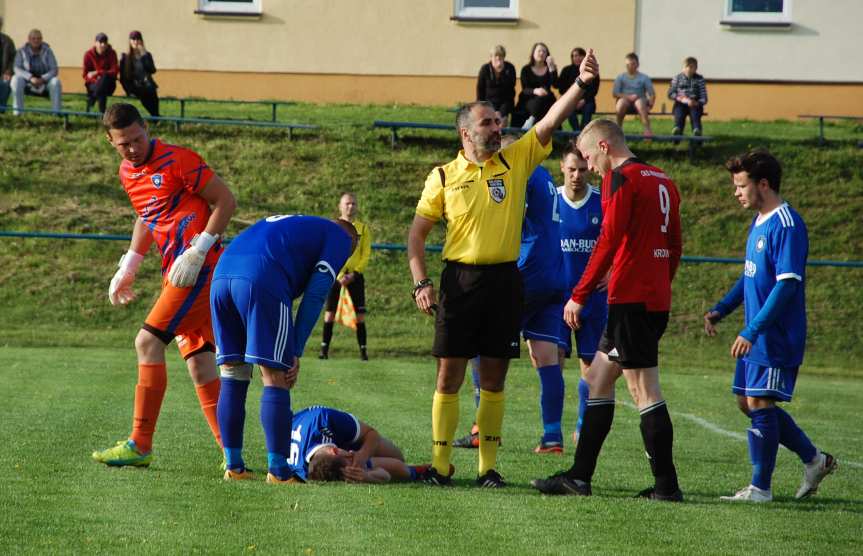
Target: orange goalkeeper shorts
column 184, row 313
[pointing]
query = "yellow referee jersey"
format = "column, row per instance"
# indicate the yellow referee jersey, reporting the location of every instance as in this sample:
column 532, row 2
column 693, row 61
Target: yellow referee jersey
column 360, row 257
column 483, row 205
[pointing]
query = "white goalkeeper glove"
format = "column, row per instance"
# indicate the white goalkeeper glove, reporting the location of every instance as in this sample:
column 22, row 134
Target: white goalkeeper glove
column 120, row 290
column 186, row 267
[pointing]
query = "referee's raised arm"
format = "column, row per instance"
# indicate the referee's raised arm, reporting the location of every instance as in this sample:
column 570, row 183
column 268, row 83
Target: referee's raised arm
column 560, row 110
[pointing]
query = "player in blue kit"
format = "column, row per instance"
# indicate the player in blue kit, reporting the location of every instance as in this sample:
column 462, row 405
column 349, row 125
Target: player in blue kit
column 258, row 277
column 540, row 264
column 769, row 350
column 580, row 221
column 332, row 445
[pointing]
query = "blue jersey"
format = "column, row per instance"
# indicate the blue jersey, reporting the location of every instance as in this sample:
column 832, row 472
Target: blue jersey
column 540, row 261
column 580, row 222
column 777, row 249
column 281, row 253
column 317, row 427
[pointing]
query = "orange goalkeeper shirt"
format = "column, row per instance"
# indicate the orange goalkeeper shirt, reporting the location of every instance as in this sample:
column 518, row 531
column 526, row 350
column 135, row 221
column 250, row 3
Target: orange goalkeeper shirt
column 164, row 192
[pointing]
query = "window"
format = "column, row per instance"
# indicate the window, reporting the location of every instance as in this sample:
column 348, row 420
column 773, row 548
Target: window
column 486, row 9
column 767, row 13
column 229, row 7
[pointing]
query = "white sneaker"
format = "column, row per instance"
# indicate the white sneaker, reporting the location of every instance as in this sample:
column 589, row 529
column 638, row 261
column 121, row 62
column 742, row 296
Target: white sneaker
column 749, row 494
column 814, row 473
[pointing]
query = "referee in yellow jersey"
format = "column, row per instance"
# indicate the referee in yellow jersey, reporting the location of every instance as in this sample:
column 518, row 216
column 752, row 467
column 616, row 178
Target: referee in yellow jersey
column 481, row 195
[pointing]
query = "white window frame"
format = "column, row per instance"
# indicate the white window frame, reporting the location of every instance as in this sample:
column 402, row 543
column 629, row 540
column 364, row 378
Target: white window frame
column 731, row 17
column 471, row 12
column 209, row 6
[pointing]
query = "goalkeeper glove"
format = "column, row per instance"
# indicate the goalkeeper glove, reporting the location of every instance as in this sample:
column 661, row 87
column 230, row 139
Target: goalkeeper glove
column 120, row 290
column 186, row 267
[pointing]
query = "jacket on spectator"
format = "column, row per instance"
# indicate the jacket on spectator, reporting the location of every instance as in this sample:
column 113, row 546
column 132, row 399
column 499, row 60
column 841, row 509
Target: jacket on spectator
column 531, row 81
column 7, row 54
column 106, row 64
column 497, row 90
column 689, row 87
column 567, row 78
column 133, row 81
column 24, row 59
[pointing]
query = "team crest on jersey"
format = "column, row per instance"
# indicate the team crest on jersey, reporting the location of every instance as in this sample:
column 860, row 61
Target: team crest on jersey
column 157, row 180
column 760, row 243
column 497, row 190
column 594, row 220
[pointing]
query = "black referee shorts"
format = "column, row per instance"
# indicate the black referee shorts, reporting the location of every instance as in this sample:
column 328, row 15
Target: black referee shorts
column 479, row 311
column 632, row 335
column 357, row 289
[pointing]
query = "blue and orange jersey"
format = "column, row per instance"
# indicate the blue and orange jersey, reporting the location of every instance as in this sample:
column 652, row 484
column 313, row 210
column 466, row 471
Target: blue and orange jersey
column 164, row 191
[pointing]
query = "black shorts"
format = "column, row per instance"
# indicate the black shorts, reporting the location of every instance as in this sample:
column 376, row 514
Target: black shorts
column 479, row 311
column 357, row 290
column 631, row 337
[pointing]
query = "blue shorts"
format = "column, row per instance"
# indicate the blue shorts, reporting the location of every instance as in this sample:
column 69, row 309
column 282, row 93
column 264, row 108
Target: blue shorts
column 540, row 322
column 250, row 324
column 586, row 338
column 758, row 381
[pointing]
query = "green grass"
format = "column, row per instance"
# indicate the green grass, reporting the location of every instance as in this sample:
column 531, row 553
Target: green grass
column 69, row 401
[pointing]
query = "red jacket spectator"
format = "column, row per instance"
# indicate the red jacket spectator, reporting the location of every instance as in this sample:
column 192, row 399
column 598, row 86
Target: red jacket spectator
column 102, row 64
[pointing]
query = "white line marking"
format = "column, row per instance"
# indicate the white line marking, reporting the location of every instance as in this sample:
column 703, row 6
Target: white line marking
column 722, row 432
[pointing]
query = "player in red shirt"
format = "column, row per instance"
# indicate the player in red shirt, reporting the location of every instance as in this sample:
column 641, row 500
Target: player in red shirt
column 183, row 207
column 640, row 243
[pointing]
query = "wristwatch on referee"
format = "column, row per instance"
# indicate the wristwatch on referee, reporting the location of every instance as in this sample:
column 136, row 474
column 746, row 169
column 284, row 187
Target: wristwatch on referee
column 420, row 285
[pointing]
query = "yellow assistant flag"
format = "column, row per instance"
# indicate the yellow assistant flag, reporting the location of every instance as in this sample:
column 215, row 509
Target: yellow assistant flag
column 345, row 312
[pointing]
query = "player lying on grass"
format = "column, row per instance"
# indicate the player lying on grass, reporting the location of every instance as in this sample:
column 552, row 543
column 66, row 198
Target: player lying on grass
column 332, row 445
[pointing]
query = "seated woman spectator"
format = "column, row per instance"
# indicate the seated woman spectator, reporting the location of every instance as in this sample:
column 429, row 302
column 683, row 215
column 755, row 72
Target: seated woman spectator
column 586, row 107
column 538, row 76
column 100, row 72
column 35, row 73
column 689, row 93
column 634, row 93
column 136, row 74
column 496, row 83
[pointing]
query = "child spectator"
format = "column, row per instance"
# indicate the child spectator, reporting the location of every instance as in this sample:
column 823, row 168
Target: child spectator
column 689, row 93
column 100, row 72
column 136, row 74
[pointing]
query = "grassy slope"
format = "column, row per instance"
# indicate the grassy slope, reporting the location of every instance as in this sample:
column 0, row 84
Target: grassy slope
column 58, row 180
column 56, row 500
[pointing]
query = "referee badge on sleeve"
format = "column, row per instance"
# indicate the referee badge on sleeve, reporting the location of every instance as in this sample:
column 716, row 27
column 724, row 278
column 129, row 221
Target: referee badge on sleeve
column 496, row 189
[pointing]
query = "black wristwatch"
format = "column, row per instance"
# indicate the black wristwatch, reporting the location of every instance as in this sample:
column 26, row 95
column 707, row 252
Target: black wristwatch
column 420, row 285
column 580, row 82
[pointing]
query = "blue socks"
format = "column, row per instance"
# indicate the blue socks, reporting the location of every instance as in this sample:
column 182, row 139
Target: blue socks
column 474, row 371
column 551, row 393
column 583, row 395
column 793, row 438
column 276, row 418
column 763, row 445
column 231, row 414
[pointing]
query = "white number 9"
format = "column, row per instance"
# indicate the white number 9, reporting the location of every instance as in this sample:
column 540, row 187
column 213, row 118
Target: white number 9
column 664, row 206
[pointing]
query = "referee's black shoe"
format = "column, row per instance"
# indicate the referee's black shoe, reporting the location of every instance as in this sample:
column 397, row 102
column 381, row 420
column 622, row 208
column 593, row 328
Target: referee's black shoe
column 491, row 479
column 431, row 477
column 561, row 484
column 651, row 494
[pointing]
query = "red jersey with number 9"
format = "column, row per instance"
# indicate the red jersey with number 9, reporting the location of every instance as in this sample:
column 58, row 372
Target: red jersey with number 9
column 164, row 192
column 639, row 240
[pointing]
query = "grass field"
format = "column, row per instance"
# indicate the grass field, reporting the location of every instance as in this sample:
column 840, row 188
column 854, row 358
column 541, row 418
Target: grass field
column 68, row 376
column 67, row 402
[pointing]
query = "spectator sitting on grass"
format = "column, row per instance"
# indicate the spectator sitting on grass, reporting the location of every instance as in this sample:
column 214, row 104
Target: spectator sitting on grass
column 35, row 73
column 634, row 93
column 100, row 72
column 689, row 93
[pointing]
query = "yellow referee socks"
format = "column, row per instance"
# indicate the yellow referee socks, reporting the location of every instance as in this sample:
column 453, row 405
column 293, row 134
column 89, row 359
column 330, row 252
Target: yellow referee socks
column 489, row 419
column 444, row 423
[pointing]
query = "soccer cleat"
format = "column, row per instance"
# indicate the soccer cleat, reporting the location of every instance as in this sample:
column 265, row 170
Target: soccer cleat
column 491, row 479
column 814, row 473
column 560, row 484
column 364, row 355
column 749, row 494
column 651, row 494
column 123, row 454
column 238, row 475
column 552, row 447
column 292, row 480
column 431, row 477
column 468, row 441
